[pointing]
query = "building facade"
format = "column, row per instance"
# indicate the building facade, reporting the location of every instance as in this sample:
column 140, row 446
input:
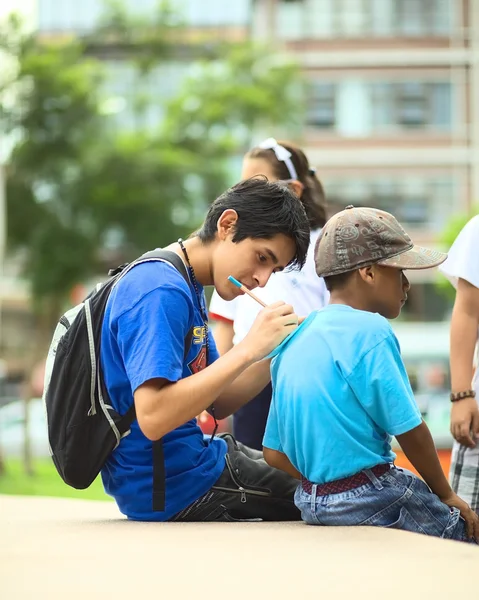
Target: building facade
column 392, row 117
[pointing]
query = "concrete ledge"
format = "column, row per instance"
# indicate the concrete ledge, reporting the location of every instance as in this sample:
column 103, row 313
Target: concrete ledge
column 53, row 548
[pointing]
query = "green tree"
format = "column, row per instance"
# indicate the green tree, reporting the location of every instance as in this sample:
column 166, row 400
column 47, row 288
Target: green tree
column 83, row 193
column 77, row 188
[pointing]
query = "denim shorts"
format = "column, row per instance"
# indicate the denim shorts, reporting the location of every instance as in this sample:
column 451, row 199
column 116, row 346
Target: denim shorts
column 397, row 500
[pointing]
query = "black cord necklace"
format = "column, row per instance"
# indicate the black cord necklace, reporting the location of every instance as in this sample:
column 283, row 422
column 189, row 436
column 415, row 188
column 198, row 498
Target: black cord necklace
column 204, row 316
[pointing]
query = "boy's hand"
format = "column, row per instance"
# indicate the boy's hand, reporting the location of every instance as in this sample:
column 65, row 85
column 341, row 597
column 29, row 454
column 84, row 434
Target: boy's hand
column 464, row 420
column 272, row 325
column 469, row 516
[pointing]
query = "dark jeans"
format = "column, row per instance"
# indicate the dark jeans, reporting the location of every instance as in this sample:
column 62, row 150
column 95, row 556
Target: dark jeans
column 249, row 422
column 248, row 489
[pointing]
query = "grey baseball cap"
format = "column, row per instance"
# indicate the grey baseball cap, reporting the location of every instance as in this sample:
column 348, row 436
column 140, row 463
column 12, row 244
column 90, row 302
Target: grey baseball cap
column 359, row 237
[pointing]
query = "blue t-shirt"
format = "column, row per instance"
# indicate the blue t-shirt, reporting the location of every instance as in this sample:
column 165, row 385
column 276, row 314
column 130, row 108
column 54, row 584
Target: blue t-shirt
column 147, row 317
column 340, row 391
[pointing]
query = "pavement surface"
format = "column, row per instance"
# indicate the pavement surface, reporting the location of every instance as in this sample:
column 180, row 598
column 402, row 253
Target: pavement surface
column 52, row 548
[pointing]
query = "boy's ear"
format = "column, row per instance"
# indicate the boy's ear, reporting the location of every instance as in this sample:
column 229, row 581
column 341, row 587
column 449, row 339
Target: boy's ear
column 367, row 274
column 227, row 224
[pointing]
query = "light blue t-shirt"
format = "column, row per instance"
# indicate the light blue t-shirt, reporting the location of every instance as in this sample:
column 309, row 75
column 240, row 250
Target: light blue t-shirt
column 340, row 391
column 147, row 318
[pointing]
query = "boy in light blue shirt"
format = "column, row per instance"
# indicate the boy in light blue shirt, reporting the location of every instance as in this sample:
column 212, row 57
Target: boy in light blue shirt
column 341, row 391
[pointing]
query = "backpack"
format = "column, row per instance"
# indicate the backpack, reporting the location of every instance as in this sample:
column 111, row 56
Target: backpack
column 83, row 426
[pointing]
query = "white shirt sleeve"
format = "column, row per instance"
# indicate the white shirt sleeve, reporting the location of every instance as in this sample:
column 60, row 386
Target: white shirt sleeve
column 463, row 257
column 222, row 309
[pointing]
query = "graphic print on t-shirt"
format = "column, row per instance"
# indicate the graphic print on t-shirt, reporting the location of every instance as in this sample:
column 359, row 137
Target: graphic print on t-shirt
column 199, row 362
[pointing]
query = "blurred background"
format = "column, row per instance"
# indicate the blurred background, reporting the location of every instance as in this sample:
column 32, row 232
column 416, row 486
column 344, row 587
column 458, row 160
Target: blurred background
column 121, row 121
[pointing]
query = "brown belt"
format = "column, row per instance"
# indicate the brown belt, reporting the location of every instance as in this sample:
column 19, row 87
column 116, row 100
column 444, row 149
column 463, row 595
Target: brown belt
column 345, row 484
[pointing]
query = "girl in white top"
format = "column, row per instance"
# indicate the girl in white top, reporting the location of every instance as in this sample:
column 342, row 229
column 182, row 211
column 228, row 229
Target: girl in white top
column 462, row 269
column 304, row 290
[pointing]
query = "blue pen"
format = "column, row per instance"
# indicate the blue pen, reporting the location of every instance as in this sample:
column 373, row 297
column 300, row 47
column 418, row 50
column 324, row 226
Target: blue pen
column 245, row 290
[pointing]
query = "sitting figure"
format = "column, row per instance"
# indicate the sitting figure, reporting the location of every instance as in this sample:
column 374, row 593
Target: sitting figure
column 341, row 391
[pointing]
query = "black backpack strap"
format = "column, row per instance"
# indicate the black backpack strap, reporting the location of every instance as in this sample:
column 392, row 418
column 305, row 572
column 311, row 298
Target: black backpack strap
column 159, row 472
column 167, row 256
column 159, row 477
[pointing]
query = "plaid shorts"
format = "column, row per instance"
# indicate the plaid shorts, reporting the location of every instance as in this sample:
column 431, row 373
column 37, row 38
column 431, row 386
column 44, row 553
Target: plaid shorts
column 464, row 474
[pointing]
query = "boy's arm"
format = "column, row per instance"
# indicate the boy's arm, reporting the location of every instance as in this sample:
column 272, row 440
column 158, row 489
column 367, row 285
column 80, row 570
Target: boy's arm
column 279, row 460
column 419, row 448
column 382, row 386
column 243, row 389
column 464, row 326
column 246, row 386
column 162, row 406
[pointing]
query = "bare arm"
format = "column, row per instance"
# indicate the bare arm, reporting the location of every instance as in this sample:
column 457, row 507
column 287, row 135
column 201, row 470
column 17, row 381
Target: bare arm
column 419, row 448
column 247, row 385
column 223, row 333
column 464, row 326
column 162, row 406
column 243, row 389
column 279, row 460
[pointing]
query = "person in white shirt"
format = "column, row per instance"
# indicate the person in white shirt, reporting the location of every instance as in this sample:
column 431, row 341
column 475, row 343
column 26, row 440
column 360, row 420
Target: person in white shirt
column 462, row 269
column 304, row 290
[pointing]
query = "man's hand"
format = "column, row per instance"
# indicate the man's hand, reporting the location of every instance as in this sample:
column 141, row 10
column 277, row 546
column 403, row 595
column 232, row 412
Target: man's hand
column 272, row 325
column 465, row 421
column 469, row 516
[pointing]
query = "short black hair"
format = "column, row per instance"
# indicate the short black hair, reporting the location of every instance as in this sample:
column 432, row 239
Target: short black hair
column 334, row 282
column 264, row 209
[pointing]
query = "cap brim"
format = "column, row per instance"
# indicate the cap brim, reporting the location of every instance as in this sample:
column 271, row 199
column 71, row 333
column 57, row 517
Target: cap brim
column 415, row 258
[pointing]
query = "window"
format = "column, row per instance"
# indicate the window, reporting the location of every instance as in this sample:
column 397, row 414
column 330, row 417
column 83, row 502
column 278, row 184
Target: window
column 321, row 110
column 411, row 105
column 213, row 13
column 290, row 20
column 416, row 201
column 298, row 19
column 352, row 18
column 422, row 17
column 303, row 19
column 360, row 108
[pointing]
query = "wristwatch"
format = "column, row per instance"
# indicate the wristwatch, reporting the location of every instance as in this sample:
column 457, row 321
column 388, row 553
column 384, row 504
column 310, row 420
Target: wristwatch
column 461, row 395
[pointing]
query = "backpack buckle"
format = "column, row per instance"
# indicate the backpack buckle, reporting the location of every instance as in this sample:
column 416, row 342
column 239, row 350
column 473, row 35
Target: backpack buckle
column 119, row 269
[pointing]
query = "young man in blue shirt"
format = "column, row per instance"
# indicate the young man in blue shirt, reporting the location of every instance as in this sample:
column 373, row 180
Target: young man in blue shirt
column 251, row 231
column 341, row 391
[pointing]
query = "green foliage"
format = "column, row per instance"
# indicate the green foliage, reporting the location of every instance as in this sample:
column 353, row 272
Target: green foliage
column 142, row 39
column 84, row 194
column 229, row 98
